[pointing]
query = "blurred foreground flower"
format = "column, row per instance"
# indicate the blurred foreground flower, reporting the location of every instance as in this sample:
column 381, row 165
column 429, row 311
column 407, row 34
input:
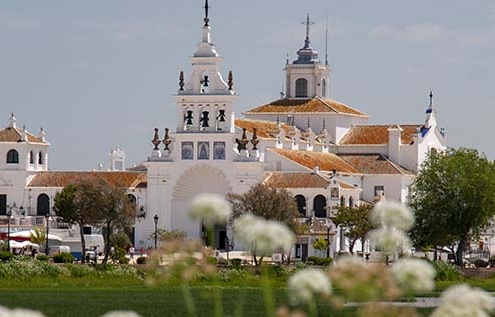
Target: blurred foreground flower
column 389, row 239
column 211, row 209
column 19, row 312
column 306, row 283
column 463, row 301
column 392, row 214
column 414, row 275
column 266, row 236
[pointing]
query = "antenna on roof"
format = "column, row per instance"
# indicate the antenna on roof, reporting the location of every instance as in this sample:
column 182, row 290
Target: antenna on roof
column 326, row 41
column 431, row 97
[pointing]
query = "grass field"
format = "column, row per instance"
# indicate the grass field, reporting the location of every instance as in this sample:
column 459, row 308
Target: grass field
column 148, row 302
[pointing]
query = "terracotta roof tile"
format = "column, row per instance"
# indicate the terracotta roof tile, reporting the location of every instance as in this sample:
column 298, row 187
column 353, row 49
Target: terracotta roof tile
column 310, row 159
column 264, row 128
column 295, row 180
column 62, row 179
column 14, row 135
column 374, row 164
column 376, row 134
column 306, row 105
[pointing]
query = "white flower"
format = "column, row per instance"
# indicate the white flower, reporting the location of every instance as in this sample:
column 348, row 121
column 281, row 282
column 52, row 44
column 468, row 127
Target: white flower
column 211, row 209
column 19, row 312
column 121, row 313
column 306, row 283
column 414, row 275
column 392, row 214
column 265, row 236
column 462, row 301
column 389, row 240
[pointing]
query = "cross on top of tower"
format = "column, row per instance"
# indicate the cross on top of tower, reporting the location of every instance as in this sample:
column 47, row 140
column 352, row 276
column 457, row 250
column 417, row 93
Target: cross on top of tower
column 308, row 23
column 206, row 7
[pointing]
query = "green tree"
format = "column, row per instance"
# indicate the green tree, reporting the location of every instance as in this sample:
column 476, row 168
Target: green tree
column 321, row 245
column 453, row 198
column 78, row 204
column 269, row 203
column 355, row 223
column 38, row 236
column 120, row 239
column 117, row 212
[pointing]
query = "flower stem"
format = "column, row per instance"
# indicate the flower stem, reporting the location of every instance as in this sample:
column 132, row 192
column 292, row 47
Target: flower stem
column 312, row 308
column 188, row 298
column 267, row 293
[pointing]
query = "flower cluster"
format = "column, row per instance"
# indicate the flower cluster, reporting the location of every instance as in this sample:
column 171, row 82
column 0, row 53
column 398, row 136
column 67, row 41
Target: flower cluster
column 211, row 209
column 393, row 220
column 414, row 275
column 463, row 300
column 306, row 283
column 265, row 236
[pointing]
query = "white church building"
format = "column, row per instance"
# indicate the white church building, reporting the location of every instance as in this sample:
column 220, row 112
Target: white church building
column 321, row 150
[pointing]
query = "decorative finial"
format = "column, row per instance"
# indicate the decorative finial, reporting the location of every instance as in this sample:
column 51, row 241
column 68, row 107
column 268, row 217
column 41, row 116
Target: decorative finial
column 231, row 80
column 287, row 60
column 431, row 97
column 309, row 125
column 206, row 7
column 167, row 140
column 181, row 81
column 156, row 139
column 254, row 140
column 308, row 23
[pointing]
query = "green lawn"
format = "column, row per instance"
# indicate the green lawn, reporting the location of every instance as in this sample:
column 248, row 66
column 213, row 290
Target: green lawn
column 163, row 301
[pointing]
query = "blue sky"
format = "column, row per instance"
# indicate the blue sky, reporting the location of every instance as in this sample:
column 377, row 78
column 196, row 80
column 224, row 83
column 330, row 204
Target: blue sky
column 96, row 74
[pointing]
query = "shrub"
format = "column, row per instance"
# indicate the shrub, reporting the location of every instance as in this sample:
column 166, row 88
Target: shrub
column 42, row 257
column 480, row 263
column 236, row 262
column 63, row 257
column 211, row 260
column 316, row 260
column 6, row 256
column 222, row 261
column 446, row 271
column 141, row 260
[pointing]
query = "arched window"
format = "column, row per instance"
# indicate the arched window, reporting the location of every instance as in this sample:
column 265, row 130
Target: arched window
column 301, row 205
column 320, row 206
column 342, row 201
column 43, row 205
column 132, row 199
column 351, row 202
column 323, row 88
column 301, row 88
column 40, row 158
column 13, row 157
column 31, row 157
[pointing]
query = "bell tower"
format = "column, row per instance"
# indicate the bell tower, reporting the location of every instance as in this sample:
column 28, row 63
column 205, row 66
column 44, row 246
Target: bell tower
column 204, row 101
column 306, row 77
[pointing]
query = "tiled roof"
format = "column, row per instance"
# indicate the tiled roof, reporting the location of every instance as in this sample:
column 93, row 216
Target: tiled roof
column 374, row 164
column 62, row 179
column 306, row 105
column 295, row 180
column 377, row 134
column 263, row 128
column 14, row 135
column 310, row 159
column 346, row 185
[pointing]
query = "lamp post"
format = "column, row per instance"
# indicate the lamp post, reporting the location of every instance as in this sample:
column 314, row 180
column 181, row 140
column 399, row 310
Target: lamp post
column 9, row 214
column 47, row 217
column 155, row 218
column 328, row 240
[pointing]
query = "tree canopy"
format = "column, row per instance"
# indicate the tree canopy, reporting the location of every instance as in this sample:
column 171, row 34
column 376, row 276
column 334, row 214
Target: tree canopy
column 269, row 203
column 453, row 198
column 95, row 202
column 355, row 223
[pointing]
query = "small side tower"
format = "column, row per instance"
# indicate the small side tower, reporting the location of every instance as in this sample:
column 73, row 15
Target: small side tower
column 306, row 77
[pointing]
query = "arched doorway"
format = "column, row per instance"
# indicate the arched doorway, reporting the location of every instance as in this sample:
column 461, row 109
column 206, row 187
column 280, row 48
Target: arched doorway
column 320, row 206
column 301, row 205
column 43, row 205
column 199, row 179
